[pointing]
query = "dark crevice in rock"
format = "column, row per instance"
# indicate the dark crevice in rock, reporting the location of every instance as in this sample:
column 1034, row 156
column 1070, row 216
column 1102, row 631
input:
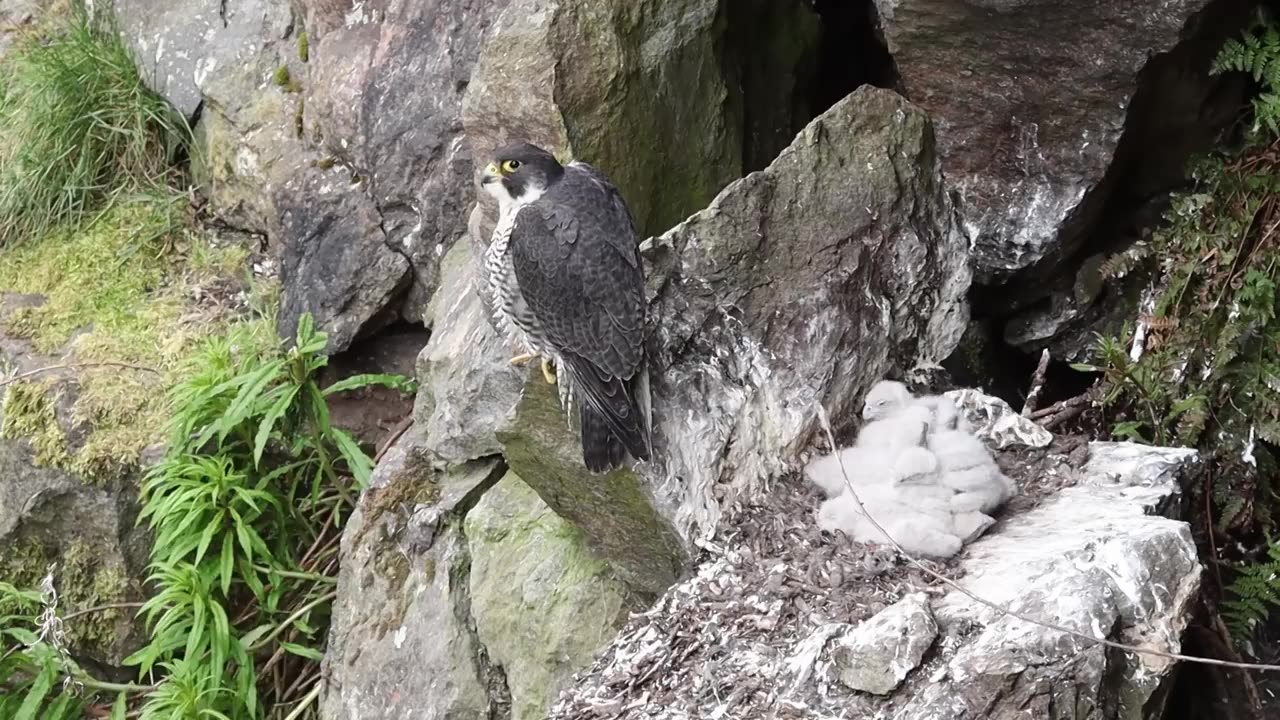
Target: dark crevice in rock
column 788, row 61
column 373, row 413
column 851, row 52
column 397, row 236
column 490, row 674
column 1176, row 113
column 770, row 58
column 472, row 497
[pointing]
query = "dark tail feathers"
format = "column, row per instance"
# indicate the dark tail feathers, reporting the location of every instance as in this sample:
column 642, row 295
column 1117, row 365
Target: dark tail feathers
column 602, row 450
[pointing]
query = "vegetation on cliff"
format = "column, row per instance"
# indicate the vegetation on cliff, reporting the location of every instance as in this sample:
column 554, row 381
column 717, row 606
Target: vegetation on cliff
column 1201, row 366
column 170, row 343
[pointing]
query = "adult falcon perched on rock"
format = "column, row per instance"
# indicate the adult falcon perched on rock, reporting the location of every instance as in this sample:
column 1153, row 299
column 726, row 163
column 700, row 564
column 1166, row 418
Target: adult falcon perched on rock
column 566, row 284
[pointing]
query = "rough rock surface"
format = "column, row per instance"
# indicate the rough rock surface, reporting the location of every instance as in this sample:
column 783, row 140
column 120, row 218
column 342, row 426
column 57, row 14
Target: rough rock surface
column 460, row 594
column 336, row 131
column 805, row 282
column 383, row 86
column 403, row 642
column 581, row 77
column 467, row 388
column 50, row 515
column 1031, row 99
column 14, row 15
column 180, row 45
column 543, row 604
column 755, row 632
column 876, row 655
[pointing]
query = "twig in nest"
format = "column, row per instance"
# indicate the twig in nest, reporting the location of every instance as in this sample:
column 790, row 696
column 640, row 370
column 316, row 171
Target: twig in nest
column 1052, row 421
column 1060, row 412
column 76, row 366
column 831, row 438
column 1037, row 384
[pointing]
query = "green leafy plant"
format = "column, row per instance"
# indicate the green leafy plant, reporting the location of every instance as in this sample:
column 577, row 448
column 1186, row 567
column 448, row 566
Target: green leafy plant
column 38, row 679
column 1255, row 591
column 1202, row 365
column 1257, row 53
column 246, row 508
column 1210, row 350
column 77, row 126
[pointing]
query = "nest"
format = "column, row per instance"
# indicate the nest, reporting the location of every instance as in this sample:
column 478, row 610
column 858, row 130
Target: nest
column 742, row 638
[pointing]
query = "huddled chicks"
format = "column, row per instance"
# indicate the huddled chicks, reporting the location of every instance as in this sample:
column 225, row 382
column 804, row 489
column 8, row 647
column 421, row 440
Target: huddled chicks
column 919, row 472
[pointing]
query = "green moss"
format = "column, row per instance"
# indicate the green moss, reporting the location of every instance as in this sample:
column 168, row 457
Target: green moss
column 543, row 603
column 121, row 289
column 86, row 582
column 298, row 118
column 415, row 485
column 282, row 78
column 304, row 46
column 28, row 413
column 614, row 510
column 83, row 581
column 24, row 563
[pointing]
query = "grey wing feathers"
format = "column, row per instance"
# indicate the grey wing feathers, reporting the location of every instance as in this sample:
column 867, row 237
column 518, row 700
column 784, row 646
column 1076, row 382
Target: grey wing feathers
column 576, row 258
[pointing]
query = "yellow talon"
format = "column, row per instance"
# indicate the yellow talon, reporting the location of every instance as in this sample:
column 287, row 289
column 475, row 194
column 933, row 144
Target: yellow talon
column 522, row 359
column 548, row 372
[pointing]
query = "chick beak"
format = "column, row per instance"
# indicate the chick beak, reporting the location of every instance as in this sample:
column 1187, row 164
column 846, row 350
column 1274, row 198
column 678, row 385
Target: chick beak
column 490, row 174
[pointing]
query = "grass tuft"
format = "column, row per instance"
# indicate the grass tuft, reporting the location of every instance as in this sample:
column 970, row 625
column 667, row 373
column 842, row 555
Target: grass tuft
column 77, row 126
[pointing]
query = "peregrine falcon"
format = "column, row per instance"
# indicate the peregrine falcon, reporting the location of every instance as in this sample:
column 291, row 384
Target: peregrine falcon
column 565, row 283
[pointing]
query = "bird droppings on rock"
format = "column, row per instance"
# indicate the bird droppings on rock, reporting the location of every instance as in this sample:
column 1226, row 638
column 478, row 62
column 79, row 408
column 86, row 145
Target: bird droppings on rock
column 769, row 581
column 760, row 630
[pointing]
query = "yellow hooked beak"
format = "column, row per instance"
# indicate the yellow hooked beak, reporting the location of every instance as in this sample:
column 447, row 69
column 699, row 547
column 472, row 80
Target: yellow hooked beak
column 491, row 174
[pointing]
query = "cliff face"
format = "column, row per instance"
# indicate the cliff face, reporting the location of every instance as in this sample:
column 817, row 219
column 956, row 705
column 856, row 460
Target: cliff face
column 807, row 234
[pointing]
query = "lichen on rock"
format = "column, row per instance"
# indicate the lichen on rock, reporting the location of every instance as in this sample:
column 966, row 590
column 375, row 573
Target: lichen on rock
column 543, row 602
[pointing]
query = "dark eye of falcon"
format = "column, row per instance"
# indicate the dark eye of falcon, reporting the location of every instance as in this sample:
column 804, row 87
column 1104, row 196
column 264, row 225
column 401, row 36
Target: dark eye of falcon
column 511, row 165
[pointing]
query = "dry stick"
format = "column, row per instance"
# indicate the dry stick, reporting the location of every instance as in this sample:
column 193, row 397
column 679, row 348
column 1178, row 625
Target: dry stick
column 1052, row 421
column 73, row 366
column 1037, row 384
column 831, row 438
column 1250, row 688
column 1079, row 401
column 101, row 608
column 396, row 432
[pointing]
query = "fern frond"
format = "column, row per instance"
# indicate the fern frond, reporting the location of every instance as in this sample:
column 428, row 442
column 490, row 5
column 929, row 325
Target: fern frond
column 1256, row 589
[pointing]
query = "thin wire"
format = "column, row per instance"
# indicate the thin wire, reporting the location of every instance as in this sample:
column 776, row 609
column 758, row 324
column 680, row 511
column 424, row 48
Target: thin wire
column 826, row 427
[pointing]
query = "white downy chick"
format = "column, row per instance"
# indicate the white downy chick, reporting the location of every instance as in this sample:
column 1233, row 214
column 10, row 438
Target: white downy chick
column 903, row 428
column 868, row 466
column 946, row 415
column 888, row 396
column 968, row 468
column 916, row 530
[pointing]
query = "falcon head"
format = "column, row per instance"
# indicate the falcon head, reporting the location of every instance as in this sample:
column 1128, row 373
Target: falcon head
column 519, row 174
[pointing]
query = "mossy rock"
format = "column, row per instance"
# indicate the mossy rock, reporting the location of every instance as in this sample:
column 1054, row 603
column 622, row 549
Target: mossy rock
column 614, row 510
column 543, row 603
